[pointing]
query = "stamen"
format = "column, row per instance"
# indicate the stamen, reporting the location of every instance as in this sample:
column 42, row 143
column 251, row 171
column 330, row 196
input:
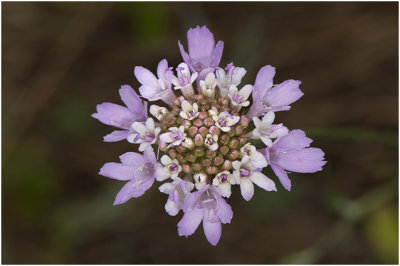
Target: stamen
column 244, row 172
column 223, row 178
column 173, row 167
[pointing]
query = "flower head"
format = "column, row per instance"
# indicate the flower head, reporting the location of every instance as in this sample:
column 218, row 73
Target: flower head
column 206, row 135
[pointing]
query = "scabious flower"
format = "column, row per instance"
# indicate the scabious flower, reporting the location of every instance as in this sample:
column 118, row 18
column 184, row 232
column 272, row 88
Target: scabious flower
column 204, row 135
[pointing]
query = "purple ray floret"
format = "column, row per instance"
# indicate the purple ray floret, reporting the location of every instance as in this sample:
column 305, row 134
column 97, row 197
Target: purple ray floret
column 204, row 55
column 121, row 116
column 205, row 205
column 292, row 153
column 139, row 170
column 267, row 97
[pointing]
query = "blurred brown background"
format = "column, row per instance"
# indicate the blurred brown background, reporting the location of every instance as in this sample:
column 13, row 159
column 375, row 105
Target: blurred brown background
column 61, row 59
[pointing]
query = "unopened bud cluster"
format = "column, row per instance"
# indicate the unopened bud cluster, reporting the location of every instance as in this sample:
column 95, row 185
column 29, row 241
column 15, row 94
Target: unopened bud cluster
column 210, row 150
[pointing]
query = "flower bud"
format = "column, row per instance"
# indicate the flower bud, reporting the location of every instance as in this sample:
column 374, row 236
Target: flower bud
column 233, row 144
column 211, row 154
column 203, row 131
column 208, row 122
column 224, row 150
column 203, row 101
column 186, row 168
column 192, row 131
column 238, row 130
column 198, row 122
column 191, row 158
column 233, row 155
column 244, row 121
column 181, row 159
column 198, row 140
column 216, row 105
column 196, row 167
column 214, row 130
column 203, row 115
column 180, row 120
column 224, row 139
column 212, row 170
column 226, row 108
column 242, row 140
column 224, row 101
column 172, row 153
column 199, row 97
column 227, row 165
column 180, row 149
column 231, row 132
column 199, row 152
column 206, row 162
column 218, row 160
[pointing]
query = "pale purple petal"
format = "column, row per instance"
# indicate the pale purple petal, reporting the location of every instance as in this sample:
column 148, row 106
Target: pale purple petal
column 165, row 74
column 262, row 85
column 191, row 200
column 283, row 94
column 308, row 160
column 256, row 109
column 212, row 230
column 264, row 81
column 202, row 76
column 200, row 42
column 145, row 77
column 282, row 175
column 150, row 155
column 133, row 102
column 217, row 54
column 224, row 211
column 114, row 115
column 117, row 171
column 172, row 208
column 132, row 189
column 263, row 181
column 148, row 92
column 133, row 159
column 162, row 68
column 116, row 135
column 185, row 56
column 295, row 139
column 190, row 221
column 246, row 189
column 166, row 137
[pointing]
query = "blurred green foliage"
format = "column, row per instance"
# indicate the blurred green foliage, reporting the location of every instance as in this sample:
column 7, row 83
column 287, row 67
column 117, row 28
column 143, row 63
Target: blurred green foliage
column 149, row 20
column 382, row 232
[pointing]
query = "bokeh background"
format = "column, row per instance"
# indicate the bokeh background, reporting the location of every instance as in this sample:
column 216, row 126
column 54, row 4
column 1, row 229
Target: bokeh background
column 61, row 59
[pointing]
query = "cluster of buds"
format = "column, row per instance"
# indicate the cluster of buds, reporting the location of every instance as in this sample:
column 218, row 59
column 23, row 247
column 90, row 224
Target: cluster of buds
column 211, row 131
column 203, row 134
